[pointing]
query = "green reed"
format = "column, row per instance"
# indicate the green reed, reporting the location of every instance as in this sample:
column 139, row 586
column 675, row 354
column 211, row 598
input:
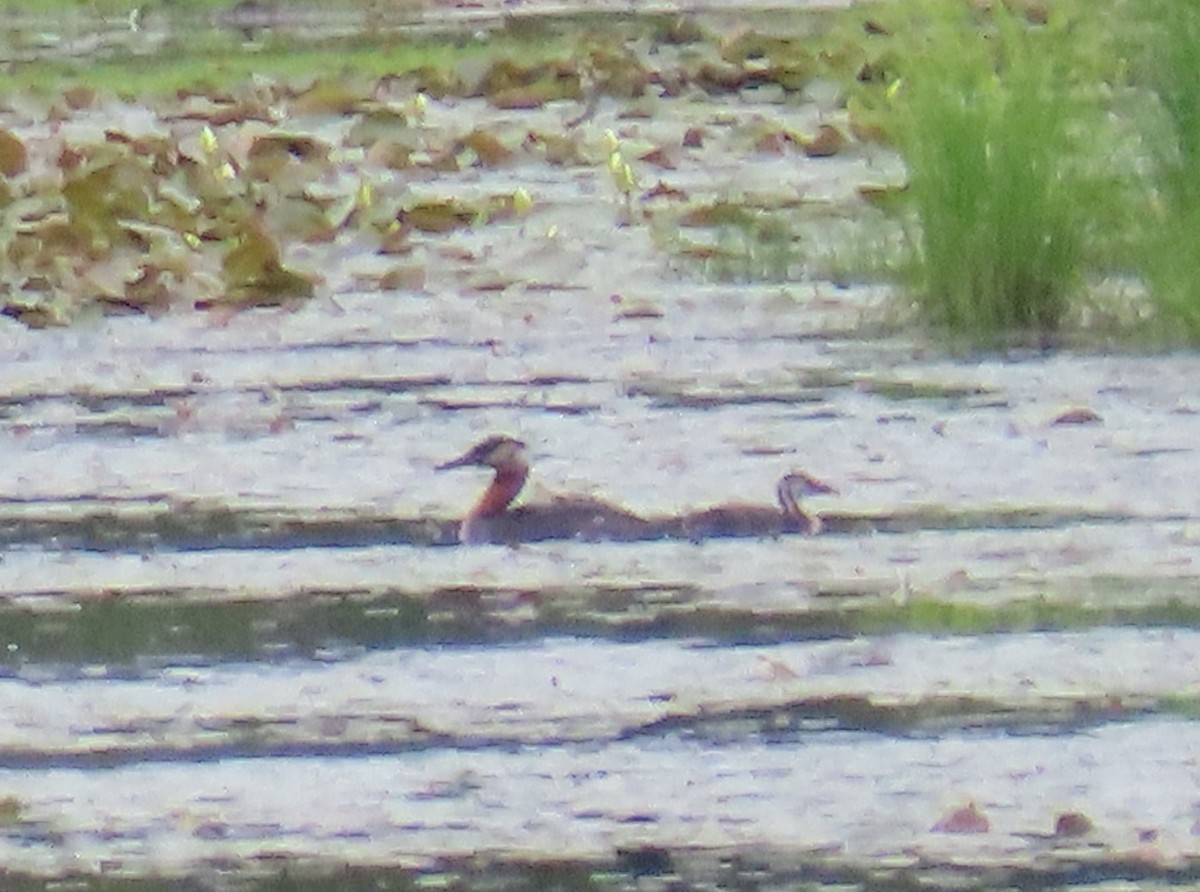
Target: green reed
column 988, row 129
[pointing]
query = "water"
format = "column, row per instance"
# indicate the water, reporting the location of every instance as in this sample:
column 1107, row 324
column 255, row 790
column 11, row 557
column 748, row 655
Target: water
column 229, row 644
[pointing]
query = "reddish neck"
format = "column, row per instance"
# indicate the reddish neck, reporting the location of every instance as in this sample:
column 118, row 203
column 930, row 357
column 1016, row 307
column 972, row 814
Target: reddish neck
column 493, row 503
column 497, row 497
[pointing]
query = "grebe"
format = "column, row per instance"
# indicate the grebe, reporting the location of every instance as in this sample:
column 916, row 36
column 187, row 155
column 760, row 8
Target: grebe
column 492, row 520
column 730, row 521
column 565, row 517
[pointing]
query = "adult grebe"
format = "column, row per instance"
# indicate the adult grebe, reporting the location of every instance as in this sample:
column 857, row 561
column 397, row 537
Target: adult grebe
column 492, row 520
column 565, row 517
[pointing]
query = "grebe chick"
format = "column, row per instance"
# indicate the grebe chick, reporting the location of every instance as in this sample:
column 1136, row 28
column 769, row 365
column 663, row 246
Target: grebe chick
column 789, row 490
column 566, row 517
column 738, row 521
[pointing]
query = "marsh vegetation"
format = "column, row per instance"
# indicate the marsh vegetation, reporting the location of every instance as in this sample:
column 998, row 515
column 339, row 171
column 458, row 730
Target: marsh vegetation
column 1043, row 189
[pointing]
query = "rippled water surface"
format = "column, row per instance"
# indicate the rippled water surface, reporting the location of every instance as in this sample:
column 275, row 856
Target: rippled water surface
column 239, row 641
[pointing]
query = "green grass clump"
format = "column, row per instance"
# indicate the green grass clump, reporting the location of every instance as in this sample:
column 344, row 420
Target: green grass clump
column 987, row 125
column 1169, row 262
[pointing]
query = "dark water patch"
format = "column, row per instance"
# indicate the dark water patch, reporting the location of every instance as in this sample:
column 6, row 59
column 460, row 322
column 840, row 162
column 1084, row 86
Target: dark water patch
column 141, row 631
column 117, row 429
column 386, row 384
column 473, row 405
column 902, row 390
column 661, row 397
column 942, row 517
column 1149, row 606
column 810, row 386
column 319, row 342
column 922, row 717
column 638, row 868
column 162, row 522
column 251, row 740
column 552, row 380
column 117, row 628
column 99, row 401
column 131, row 635
column 357, row 735
column 91, row 524
column 282, row 873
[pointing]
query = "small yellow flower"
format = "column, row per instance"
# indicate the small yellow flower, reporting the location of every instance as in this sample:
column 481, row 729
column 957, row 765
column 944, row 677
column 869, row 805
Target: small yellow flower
column 622, row 173
column 208, row 140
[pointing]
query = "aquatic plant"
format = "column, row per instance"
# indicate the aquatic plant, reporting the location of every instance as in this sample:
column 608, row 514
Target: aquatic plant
column 988, row 129
column 1168, row 262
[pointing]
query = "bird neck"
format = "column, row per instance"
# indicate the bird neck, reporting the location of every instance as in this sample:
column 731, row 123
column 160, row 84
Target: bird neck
column 788, row 503
column 499, row 495
column 493, row 503
column 806, row 523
